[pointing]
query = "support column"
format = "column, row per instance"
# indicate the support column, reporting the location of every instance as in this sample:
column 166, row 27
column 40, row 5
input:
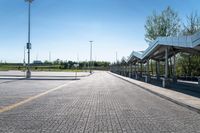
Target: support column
column 126, row 70
column 120, row 66
column 147, row 78
column 174, row 69
column 116, row 69
column 124, row 67
column 141, row 69
column 158, row 70
column 131, row 70
column 137, row 69
column 119, row 69
column 147, row 67
column 164, row 84
column 151, row 68
column 166, row 63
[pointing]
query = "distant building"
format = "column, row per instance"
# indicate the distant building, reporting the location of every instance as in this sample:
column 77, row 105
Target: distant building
column 37, row 62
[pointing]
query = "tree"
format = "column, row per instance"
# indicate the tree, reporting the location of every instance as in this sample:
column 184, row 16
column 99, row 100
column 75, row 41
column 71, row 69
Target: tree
column 193, row 24
column 46, row 62
column 167, row 23
column 57, row 62
column 189, row 62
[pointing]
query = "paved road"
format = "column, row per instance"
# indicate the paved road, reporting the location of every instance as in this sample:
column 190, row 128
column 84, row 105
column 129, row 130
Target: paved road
column 99, row 103
column 14, row 91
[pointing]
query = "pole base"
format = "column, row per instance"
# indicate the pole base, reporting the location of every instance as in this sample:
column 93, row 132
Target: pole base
column 28, row 74
column 147, row 78
column 165, row 82
column 136, row 76
column 174, row 79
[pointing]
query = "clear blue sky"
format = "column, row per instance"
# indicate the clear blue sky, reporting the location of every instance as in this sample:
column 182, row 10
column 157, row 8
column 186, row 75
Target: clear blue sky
column 64, row 27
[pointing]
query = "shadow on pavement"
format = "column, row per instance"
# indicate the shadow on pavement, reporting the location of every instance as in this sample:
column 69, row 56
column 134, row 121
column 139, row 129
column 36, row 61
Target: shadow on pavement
column 42, row 76
column 185, row 88
column 189, row 89
column 14, row 79
column 52, row 79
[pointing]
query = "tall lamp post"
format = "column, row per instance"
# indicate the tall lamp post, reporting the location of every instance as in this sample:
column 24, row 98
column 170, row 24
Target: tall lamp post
column 91, row 56
column 28, row 46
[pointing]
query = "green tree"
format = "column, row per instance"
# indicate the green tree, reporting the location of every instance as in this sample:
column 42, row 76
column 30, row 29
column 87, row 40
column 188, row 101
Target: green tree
column 193, row 24
column 167, row 23
column 189, row 63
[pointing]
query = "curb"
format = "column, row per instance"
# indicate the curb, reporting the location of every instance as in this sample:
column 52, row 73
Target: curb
column 192, row 108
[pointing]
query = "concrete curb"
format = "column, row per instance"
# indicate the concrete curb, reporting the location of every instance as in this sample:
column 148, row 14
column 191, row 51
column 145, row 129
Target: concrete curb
column 190, row 107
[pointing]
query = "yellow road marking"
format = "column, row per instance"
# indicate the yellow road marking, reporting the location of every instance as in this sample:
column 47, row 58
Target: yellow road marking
column 10, row 107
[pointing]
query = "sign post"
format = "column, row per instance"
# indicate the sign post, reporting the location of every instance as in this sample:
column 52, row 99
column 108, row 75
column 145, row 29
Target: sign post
column 28, row 45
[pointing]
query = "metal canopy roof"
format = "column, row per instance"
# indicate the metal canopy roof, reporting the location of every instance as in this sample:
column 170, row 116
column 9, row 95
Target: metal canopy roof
column 124, row 61
column 135, row 56
column 156, row 50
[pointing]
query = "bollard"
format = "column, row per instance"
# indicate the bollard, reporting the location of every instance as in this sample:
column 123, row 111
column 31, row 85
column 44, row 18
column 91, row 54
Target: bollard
column 147, row 78
column 129, row 75
column 163, row 83
column 136, row 76
column 174, row 79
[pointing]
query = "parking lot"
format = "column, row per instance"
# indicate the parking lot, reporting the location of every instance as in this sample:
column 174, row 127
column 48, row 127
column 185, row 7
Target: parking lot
column 97, row 103
column 15, row 88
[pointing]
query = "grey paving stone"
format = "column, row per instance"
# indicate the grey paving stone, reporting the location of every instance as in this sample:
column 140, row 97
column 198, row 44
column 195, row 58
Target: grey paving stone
column 100, row 103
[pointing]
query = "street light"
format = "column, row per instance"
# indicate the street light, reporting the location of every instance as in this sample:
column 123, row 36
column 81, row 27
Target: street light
column 28, row 72
column 91, row 56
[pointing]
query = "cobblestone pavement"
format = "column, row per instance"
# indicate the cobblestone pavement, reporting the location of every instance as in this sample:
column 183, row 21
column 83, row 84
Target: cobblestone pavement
column 100, row 103
column 14, row 91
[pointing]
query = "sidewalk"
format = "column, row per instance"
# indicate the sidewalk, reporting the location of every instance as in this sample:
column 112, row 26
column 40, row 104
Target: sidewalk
column 185, row 100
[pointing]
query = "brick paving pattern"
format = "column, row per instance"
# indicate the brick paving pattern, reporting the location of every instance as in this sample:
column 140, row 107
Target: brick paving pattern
column 100, row 103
